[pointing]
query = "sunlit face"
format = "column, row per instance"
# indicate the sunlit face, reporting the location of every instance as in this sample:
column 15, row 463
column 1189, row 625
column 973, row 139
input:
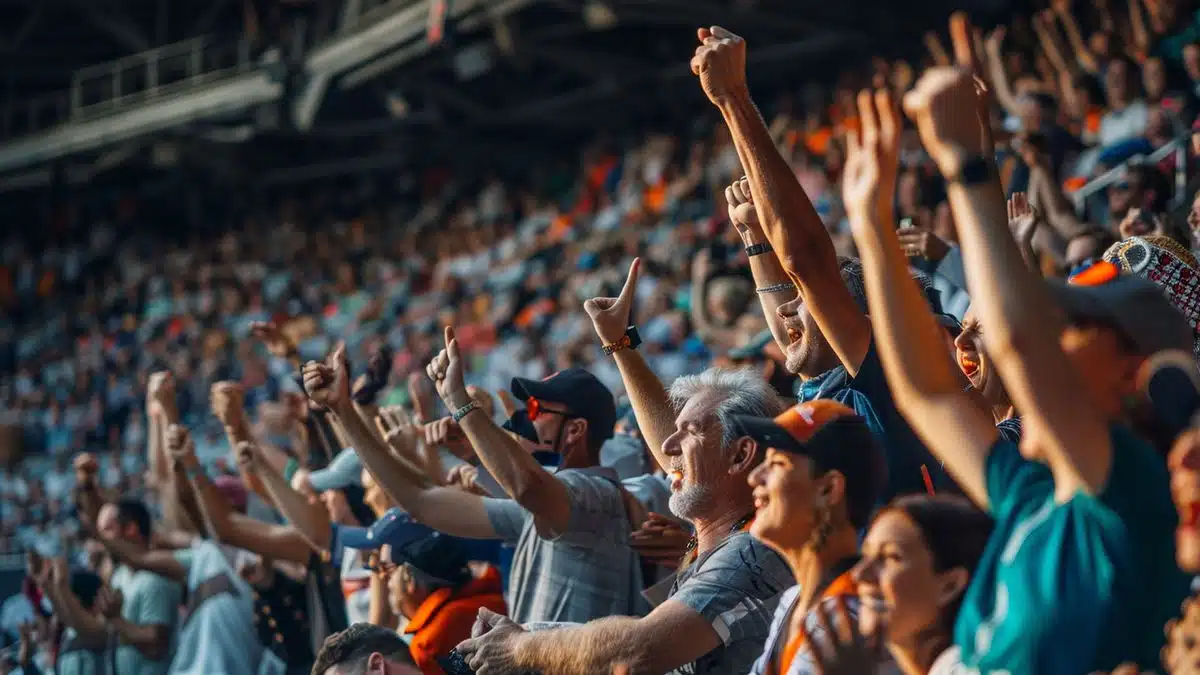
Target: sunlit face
column 1116, row 81
column 697, row 460
column 807, row 351
column 973, row 360
column 404, row 596
column 897, row 583
column 1184, row 463
column 374, row 496
column 785, row 500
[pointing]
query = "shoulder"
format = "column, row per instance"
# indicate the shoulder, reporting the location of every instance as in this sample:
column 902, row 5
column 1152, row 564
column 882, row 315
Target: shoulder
column 742, row 559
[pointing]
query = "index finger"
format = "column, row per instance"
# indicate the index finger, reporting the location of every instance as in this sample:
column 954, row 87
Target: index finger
column 961, row 36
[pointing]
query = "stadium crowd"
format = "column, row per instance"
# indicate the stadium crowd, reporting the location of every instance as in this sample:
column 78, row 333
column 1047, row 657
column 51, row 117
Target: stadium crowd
column 866, row 385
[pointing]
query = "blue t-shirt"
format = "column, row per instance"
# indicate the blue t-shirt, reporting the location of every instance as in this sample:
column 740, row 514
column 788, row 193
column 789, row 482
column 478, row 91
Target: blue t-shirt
column 868, row 394
column 1075, row 587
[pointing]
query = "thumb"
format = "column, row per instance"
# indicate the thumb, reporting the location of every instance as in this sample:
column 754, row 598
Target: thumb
column 630, row 287
column 592, row 308
column 720, row 33
column 489, row 618
column 703, row 34
column 451, row 343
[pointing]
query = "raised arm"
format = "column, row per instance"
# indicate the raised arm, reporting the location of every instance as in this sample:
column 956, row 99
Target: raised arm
column 272, row 541
column 716, row 336
column 515, row 469
column 651, row 405
column 1022, row 326
column 772, row 284
column 1083, row 55
column 443, row 508
column 670, row 637
column 309, row 518
column 997, row 74
column 55, row 582
column 910, row 341
column 788, row 218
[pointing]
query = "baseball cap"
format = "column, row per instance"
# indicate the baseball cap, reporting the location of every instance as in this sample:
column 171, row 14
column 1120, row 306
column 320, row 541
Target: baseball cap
column 395, row 527
column 1170, row 266
column 584, row 396
column 835, row 438
column 436, row 555
column 233, row 490
column 1131, row 305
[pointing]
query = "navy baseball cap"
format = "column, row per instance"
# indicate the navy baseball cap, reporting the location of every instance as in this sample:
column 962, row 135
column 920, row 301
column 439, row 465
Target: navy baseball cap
column 395, row 527
column 437, row 555
column 584, row 396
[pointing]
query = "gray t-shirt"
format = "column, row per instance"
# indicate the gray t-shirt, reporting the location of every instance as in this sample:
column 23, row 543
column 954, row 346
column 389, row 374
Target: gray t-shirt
column 736, row 588
column 220, row 637
column 148, row 600
column 587, row 572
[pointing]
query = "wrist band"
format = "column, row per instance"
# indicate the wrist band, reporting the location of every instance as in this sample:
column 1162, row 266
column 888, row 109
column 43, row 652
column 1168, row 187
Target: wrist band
column 464, row 411
column 630, row 340
column 975, row 170
column 776, row 288
column 758, row 249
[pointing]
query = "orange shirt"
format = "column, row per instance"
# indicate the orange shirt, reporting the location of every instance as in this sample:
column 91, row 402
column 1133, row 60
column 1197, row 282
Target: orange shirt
column 446, row 617
column 843, row 585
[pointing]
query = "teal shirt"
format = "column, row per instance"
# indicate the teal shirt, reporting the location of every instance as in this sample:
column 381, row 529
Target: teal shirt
column 149, row 600
column 1076, row 587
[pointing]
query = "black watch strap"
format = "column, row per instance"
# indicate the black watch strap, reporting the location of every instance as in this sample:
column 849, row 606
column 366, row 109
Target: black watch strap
column 758, row 249
column 976, row 170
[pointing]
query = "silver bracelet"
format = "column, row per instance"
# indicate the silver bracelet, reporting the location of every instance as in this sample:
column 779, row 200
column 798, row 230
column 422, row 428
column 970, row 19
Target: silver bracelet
column 775, row 288
column 462, row 412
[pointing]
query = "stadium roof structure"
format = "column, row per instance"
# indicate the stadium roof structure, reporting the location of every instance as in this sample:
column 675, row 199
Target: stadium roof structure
column 395, row 80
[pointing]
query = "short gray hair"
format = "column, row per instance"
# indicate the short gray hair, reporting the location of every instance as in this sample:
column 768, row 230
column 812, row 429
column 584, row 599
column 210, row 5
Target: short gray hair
column 739, row 391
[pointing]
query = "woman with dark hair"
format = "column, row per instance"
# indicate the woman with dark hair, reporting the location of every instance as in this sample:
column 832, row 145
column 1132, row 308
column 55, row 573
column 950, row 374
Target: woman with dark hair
column 917, row 560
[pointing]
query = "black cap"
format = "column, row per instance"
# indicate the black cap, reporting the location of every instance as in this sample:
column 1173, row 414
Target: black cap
column 1133, row 306
column 584, row 396
column 438, row 556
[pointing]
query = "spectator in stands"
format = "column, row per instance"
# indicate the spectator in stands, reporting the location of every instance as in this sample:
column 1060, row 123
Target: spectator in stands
column 364, row 648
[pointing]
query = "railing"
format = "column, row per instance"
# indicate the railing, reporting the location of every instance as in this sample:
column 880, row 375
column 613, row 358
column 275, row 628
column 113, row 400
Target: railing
column 1176, row 148
column 367, row 12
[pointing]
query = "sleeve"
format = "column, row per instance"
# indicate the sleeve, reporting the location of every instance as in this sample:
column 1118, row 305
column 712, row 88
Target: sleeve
column 344, row 470
column 598, row 515
column 157, row 601
column 726, row 593
column 507, row 517
column 763, row 662
column 185, row 557
column 951, row 268
column 1010, row 477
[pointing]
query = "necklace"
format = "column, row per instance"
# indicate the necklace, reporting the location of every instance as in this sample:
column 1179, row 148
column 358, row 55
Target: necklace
column 690, row 553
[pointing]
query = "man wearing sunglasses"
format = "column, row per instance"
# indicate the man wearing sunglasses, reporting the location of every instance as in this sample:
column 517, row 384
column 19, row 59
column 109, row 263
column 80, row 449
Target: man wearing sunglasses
column 571, row 522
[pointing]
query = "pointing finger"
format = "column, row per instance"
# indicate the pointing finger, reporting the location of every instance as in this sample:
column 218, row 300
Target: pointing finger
column 631, row 281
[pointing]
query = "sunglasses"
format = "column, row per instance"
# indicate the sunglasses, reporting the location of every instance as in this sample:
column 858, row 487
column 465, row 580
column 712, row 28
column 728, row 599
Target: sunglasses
column 375, row 563
column 534, row 409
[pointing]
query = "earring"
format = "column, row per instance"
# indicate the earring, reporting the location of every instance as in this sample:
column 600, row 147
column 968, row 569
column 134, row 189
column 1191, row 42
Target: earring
column 821, row 532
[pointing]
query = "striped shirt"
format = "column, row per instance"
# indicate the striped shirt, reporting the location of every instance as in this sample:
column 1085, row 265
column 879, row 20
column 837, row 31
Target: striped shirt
column 587, row 572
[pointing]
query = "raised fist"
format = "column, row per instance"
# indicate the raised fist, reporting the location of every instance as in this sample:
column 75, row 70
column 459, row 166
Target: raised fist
column 228, row 400
column 328, row 384
column 247, row 456
column 160, row 390
column 446, row 371
column 742, row 213
column 180, row 445
column 275, row 341
column 720, row 62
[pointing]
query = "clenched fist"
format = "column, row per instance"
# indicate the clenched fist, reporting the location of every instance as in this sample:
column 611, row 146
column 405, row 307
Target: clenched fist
column 742, row 213
column 720, row 63
column 942, row 105
column 247, row 457
column 180, row 446
column 228, row 401
column 328, row 384
column 446, row 371
column 160, row 391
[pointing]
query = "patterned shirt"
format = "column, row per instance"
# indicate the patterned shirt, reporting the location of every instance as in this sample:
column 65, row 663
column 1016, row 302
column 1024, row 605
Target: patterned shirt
column 587, row 572
column 736, row 588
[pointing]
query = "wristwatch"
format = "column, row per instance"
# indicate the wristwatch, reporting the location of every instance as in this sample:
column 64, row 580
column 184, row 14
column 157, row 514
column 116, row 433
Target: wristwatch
column 975, row 170
column 630, row 340
column 758, row 249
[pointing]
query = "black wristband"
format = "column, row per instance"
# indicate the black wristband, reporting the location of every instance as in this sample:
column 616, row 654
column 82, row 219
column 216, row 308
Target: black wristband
column 975, row 170
column 758, row 249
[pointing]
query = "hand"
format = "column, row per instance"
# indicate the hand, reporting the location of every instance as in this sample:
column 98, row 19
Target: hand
column 465, row 477
column 446, row 371
column 507, row 402
column 872, row 160
column 38, row 568
column 108, row 602
column 840, row 649
column 994, row 44
column 297, row 406
column 160, row 391
column 228, row 402
column 720, row 62
column 28, row 644
column 1023, row 219
column 60, row 572
column 661, row 539
column 492, row 649
column 86, row 466
column 701, row 266
column 742, row 213
column 248, row 457
column 328, row 384
column 939, row 106
column 418, row 393
column 1183, row 638
column 611, row 316
column 371, row 382
column 446, row 433
column 1062, row 6
column 921, row 243
column 256, row 572
column 302, row 483
column 337, row 506
column 180, row 446
column 275, row 341
column 398, row 429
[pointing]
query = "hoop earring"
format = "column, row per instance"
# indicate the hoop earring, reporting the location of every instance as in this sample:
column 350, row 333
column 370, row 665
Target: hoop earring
column 822, row 531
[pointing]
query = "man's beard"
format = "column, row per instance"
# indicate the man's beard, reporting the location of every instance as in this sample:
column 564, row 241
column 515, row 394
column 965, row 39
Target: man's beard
column 691, row 501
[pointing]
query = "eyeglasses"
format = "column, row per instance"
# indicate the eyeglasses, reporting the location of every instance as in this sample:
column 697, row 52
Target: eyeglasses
column 375, row 563
column 534, row 409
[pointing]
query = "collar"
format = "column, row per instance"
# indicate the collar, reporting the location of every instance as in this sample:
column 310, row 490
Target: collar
column 488, row 582
column 823, row 385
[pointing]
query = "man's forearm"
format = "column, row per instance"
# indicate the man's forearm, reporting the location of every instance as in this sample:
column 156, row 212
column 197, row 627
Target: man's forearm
column 650, row 401
column 68, row 608
column 584, row 650
column 402, row 481
column 513, row 468
column 313, row 526
column 768, row 273
column 788, row 218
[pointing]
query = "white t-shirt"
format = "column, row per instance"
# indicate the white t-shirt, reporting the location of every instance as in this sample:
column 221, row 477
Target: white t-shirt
column 219, row 638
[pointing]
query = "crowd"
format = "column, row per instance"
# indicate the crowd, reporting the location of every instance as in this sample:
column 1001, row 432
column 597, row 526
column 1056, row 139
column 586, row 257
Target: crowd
column 856, row 387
